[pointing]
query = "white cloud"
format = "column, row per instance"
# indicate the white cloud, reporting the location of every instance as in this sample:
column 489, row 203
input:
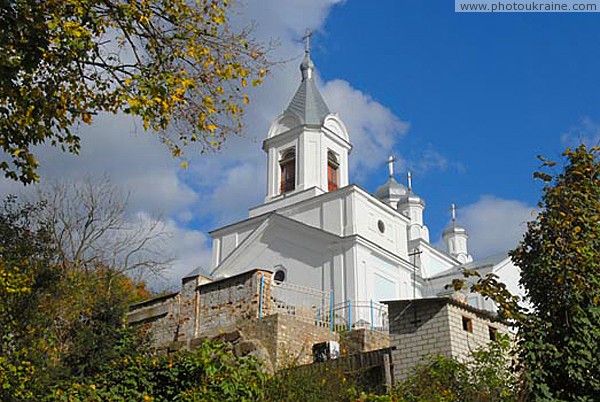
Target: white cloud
column 191, row 248
column 242, row 187
column 587, row 131
column 374, row 129
column 285, row 20
column 219, row 188
column 494, row 224
column 428, row 160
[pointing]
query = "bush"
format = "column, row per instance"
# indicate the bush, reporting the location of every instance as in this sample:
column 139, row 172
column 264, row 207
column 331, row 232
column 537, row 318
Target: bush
column 209, row 373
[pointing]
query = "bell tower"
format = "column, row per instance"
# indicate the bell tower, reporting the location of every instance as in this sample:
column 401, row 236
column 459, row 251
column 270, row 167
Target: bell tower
column 307, row 146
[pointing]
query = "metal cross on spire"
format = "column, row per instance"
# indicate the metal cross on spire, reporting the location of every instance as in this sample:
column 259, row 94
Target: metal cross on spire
column 390, row 162
column 306, row 38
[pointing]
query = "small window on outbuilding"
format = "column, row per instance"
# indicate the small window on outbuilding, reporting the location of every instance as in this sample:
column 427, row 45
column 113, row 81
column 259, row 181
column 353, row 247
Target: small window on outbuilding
column 287, row 166
column 332, row 171
column 467, row 324
column 493, row 333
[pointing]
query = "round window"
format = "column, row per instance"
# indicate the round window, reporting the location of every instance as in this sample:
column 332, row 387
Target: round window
column 279, row 275
column 381, row 226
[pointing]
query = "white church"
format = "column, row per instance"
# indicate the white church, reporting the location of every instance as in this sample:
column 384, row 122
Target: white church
column 317, row 231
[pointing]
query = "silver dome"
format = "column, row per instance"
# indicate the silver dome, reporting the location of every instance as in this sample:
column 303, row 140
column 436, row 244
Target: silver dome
column 391, row 189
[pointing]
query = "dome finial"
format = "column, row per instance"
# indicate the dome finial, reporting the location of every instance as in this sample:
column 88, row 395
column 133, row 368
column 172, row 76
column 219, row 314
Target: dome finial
column 307, row 65
column 453, row 213
column 409, row 180
column 390, row 162
column 306, row 39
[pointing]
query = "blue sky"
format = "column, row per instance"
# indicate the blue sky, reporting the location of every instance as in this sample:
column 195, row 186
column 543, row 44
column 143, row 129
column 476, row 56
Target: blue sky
column 466, row 101
column 487, row 91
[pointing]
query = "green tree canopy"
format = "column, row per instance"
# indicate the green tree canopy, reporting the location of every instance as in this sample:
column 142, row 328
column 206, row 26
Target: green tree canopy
column 559, row 259
column 176, row 64
column 209, row 373
column 26, row 275
column 56, row 320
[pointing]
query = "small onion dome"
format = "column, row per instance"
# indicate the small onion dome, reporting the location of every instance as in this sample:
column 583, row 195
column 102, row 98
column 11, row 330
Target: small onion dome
column 307, row 67
column 454, row 229
column 410, row 198
column 391, row 190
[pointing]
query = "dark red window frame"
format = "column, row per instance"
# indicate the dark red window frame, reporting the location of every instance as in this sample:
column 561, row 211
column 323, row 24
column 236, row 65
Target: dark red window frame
column 332, row 172
column 288, row 172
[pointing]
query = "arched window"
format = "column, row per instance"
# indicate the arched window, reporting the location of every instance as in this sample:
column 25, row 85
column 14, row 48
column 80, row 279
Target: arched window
column 332, row 171
column 287, row 164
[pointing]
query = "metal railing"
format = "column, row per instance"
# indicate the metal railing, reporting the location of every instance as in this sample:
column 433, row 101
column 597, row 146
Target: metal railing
column 318, row 308
column 362, row 314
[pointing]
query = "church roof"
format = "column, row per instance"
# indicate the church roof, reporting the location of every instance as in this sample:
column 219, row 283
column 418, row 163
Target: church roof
column 272, row 218
column 439, row 301
column 391, row 189
column 490, row 261
column 308, row 104
column 453, row 228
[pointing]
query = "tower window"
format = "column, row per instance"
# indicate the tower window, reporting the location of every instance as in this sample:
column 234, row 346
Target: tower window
column 287, row 164
column 332, row 171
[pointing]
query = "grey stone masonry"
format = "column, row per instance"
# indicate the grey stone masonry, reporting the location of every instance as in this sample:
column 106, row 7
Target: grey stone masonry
column 202, row 307
column 436, row 326
column 232, row 308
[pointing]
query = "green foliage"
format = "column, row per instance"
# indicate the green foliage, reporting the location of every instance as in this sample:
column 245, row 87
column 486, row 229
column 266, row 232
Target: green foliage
column 177, row 65
column 559, row 259
column 441, row 379
column 311, row 384
column 55, row 321
column 25, row 275
column 491, row 288
column 486, row 377
column 209, row 373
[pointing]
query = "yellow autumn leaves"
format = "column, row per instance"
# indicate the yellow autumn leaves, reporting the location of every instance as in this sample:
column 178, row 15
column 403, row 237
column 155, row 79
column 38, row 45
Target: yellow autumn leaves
column 178, row 66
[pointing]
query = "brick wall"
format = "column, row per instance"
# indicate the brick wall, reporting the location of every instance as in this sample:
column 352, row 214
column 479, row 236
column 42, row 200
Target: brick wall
column 159, row 316
column 201, row 308
column 435, row 327
column 222, row 304
column 464, row 342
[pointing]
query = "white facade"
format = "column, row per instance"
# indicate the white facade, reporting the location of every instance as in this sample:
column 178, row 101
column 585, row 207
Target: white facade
column 325, row 234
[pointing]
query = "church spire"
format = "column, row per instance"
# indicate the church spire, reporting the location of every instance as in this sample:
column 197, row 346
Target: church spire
column 307, row 145
column 308, row 104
